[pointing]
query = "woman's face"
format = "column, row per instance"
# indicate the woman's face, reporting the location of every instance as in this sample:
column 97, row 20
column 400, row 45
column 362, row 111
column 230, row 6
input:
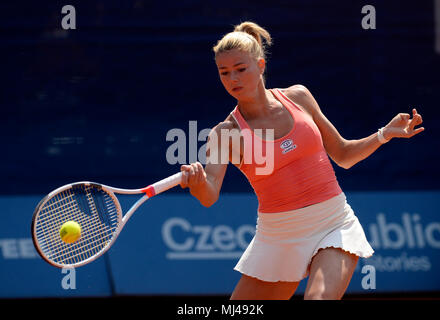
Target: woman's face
column 239, row 72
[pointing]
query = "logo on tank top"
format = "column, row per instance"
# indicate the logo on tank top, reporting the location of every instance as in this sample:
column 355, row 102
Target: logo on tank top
column 287, row 145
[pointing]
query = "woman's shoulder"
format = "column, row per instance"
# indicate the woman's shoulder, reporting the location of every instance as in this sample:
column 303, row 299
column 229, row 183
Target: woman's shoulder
column 228, row 124
column 300, row 95
column 296, row 90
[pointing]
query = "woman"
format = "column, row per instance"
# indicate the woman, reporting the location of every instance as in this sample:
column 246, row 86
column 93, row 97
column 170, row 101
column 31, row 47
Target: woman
column 305, row 226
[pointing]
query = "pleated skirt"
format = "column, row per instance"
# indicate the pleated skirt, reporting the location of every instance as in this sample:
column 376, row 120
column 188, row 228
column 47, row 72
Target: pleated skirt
column 285, row 243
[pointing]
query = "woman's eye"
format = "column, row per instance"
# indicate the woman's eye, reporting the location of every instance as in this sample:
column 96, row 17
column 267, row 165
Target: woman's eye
column 241, row 69
column 224, row 73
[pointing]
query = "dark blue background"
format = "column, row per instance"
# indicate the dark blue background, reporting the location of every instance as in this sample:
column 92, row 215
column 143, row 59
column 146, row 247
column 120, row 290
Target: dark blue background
column 96, row 103
column 139, row 262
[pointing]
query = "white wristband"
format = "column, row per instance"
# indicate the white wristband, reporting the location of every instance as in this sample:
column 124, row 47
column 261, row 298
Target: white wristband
column 381, row 137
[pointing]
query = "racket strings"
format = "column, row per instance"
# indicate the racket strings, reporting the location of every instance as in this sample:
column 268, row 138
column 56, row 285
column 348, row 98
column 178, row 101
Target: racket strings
column 96, row 237
column 92, row 208
column 51, row 241
column 92, row 233
column 87, row 230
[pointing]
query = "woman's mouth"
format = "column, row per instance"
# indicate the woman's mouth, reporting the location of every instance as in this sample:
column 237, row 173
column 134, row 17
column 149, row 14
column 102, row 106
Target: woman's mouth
column 236, row 89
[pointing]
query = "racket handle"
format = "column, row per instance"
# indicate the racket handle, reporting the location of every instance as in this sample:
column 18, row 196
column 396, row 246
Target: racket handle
column 163, row 185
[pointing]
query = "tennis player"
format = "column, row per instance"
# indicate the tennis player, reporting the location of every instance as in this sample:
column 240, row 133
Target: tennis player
column 305, row 227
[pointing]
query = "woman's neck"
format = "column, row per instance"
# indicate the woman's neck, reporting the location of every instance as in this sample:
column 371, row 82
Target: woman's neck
column 257, row 105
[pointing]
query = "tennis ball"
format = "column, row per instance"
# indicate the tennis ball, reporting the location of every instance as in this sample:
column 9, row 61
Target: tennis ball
column 70, row 232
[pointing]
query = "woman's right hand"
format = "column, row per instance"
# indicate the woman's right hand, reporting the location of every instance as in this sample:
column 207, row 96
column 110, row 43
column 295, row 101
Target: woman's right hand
column 193, row 176
column 205, row 182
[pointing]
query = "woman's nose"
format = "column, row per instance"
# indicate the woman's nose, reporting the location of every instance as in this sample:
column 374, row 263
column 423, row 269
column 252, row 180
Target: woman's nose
column 234, row 76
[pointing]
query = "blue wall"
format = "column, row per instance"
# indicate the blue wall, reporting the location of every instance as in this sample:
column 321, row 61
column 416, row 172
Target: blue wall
column 173, row 245
column 96, row 103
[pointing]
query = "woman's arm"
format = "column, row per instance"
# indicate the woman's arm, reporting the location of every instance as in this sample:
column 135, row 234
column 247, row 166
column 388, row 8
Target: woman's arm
column 205, row 183
column 347, row 153
column 333, row 142
column 401, row 126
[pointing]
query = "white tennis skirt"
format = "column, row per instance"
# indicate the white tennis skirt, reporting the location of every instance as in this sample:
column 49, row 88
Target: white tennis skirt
column 285, row 243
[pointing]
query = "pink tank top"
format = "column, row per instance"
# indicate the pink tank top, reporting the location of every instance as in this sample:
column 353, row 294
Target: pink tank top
column 302, row 174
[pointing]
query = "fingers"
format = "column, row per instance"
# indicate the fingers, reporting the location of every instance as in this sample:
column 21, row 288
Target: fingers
column 184, row 169
column 404, row 116
column 404, row 127
column 192, row 175
column 200, row 172
column 418, row 130
column 418, row 116
column 416, row 120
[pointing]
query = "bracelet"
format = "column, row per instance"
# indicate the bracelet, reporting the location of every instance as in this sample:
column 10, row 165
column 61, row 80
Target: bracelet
column 381, row 137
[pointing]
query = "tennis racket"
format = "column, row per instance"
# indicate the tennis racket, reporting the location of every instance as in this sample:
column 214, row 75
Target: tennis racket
column 96, row 209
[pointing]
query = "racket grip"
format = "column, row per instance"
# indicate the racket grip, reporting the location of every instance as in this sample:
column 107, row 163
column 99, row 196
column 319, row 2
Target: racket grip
column 163, row 185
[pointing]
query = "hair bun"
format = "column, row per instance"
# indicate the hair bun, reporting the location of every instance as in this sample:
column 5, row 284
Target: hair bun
column 248, row 37
column 256, row 31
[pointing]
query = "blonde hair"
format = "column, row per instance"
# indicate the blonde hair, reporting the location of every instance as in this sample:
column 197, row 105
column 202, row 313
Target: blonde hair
column 247, row 36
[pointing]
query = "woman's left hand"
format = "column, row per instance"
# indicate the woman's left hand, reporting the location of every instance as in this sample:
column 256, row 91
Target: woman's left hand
column 401, row 126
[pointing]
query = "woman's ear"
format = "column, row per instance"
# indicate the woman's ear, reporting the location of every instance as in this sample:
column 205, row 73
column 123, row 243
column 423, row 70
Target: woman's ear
column 261, row 65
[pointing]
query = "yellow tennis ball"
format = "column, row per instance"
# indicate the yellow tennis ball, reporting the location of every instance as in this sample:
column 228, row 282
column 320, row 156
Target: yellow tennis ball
column 70, row 232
